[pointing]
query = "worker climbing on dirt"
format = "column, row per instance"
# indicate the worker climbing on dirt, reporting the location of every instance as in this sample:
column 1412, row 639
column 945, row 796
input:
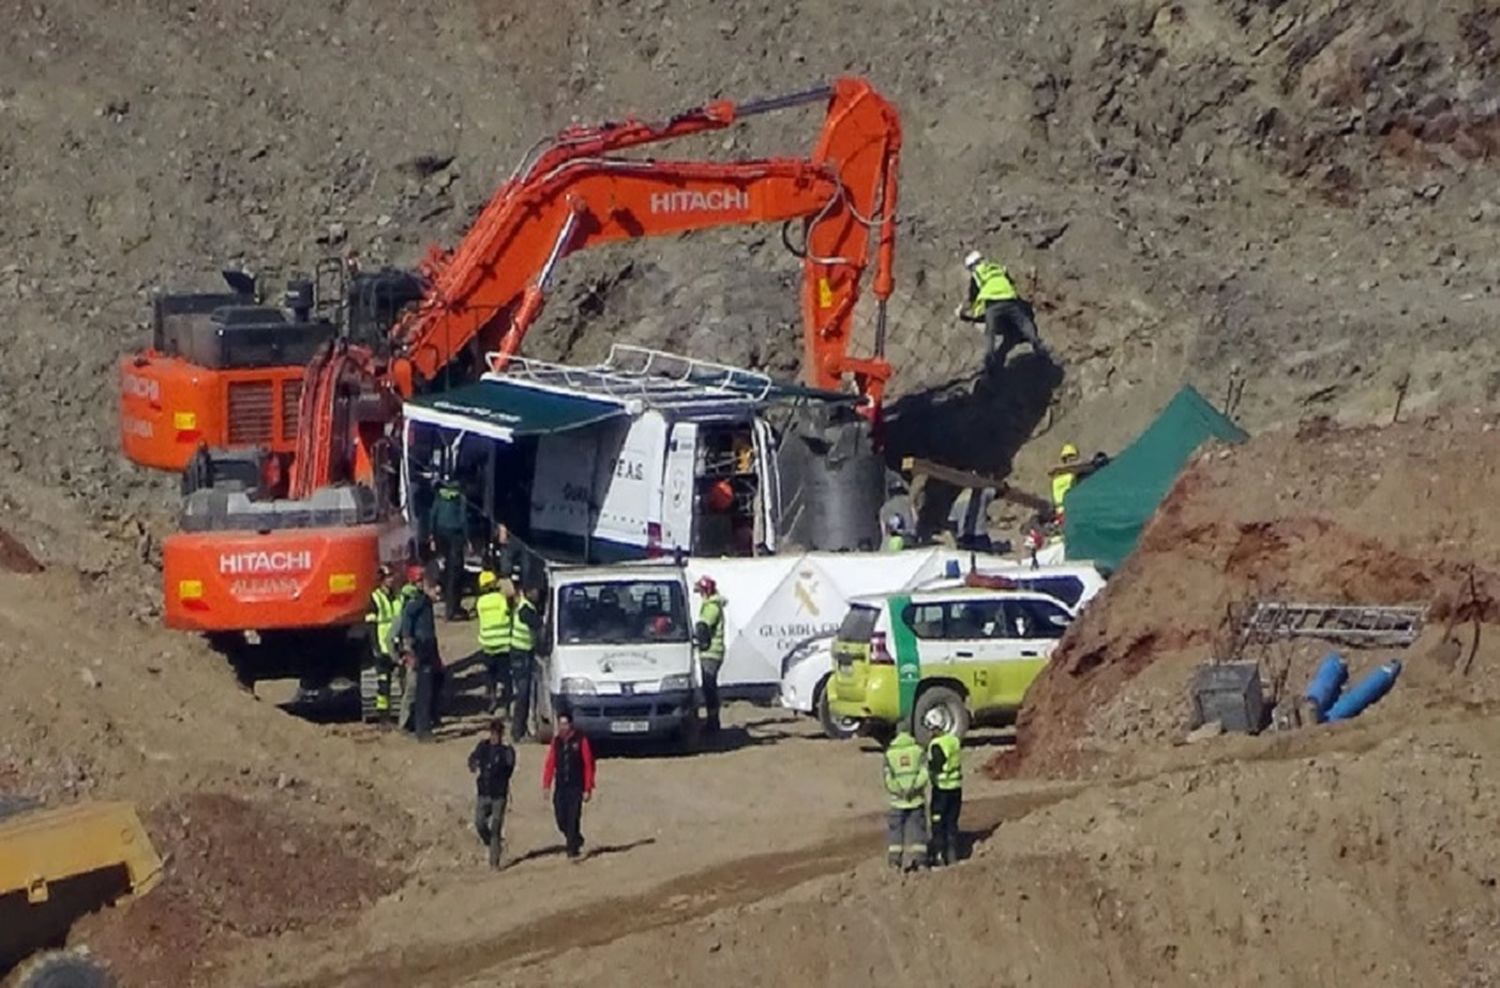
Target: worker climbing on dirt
column 1007, row 318
column 710, row 635
column 1064, row 477
column 492, row 763
column 525, row 634
column 946, row 770
column 449, row 525
column 568, row 777
column 381, row 618
column 415, row 640
column 905, row 771
column 493, row 608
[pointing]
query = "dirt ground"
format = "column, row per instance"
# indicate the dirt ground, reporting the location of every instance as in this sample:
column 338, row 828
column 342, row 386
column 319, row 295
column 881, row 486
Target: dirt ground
column 1288, row 204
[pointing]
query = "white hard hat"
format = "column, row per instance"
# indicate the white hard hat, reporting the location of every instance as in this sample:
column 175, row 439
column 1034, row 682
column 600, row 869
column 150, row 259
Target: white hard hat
column 897, row 523
column 972, row 258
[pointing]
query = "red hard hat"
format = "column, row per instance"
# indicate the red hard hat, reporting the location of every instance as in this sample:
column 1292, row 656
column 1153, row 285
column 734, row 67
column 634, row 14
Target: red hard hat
column 705, row 584
column 414, row 573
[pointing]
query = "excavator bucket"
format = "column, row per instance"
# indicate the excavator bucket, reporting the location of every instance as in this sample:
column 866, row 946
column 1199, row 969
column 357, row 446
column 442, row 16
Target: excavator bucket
column 58, row 865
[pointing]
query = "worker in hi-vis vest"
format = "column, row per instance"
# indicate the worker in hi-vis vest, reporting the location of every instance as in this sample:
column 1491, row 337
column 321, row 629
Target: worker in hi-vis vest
column 1007, row 318
column 382, row 620
column 946, row 770
column 493, row 609
column 711, row 647
column 905, row 769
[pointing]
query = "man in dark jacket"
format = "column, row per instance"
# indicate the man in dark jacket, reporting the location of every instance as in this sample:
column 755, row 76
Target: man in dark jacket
column 416, row 643
column 570, row 767
column 492, row 762
column 449, row 524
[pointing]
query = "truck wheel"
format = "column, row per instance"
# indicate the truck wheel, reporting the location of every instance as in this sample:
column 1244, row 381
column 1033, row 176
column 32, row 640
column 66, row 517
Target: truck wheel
column 63, row 969
column 939, row 710
column 835, row 727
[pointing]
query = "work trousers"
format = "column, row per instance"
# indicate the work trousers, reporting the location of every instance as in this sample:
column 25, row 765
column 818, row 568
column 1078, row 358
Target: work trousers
column 384, row 668
column 489, row 824
column 906, row 837
column 451, row 548
column 497, row 677
column 1006, row 324
column 422, row 690
column 710, row 668
column 947, row 804
column 521, row 666
column 567, row 809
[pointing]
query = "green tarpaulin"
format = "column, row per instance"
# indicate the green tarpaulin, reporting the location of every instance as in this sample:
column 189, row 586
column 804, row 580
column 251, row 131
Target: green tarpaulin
column 1106, row 512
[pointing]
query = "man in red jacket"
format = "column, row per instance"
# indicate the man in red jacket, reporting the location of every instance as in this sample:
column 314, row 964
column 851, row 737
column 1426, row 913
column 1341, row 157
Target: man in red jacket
column 569, row 764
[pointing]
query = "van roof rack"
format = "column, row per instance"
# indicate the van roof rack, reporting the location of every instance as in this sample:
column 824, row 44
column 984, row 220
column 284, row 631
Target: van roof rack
column 657, row 379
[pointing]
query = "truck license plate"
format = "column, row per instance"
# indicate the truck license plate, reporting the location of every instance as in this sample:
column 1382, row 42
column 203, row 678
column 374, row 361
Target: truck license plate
column 629, row 726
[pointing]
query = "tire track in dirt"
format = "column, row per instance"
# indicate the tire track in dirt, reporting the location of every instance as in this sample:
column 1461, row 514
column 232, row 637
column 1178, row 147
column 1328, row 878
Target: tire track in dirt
column 682, row 899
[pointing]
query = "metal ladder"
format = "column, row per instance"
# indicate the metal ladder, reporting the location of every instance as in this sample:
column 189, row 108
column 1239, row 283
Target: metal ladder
column 1354, row 625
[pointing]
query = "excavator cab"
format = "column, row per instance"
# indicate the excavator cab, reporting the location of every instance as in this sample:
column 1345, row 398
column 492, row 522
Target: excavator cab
column 223, row 370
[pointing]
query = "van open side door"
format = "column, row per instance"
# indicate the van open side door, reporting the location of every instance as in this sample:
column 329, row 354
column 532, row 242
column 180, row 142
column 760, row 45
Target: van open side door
column 679, row 495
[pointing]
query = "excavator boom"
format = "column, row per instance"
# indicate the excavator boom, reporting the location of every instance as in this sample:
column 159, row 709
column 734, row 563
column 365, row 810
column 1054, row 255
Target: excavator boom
column 573, row 195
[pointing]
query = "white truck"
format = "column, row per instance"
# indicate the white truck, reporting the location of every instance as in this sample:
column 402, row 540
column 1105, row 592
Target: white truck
column 618, row 651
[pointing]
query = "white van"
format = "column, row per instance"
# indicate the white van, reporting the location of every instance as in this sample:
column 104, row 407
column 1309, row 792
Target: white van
column 650, row 454
column 619, row 652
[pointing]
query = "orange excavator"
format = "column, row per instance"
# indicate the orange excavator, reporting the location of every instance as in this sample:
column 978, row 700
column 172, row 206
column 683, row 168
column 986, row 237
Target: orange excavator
column 286, row 532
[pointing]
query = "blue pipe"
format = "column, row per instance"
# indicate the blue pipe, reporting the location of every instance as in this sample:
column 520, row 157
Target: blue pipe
column 1376, row 684
column 1326, row 683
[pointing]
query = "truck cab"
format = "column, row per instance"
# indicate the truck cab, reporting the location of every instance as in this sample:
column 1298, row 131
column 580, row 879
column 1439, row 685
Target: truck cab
column 621, row 653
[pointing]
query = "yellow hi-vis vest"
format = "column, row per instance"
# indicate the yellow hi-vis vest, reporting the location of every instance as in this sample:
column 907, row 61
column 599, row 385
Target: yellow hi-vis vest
column 494, row 622
column 712, row 614
column 951, row 776
column 383, row 617
column 994, row 285
column 1061, row 484
column 520, row 631
column 905, row 773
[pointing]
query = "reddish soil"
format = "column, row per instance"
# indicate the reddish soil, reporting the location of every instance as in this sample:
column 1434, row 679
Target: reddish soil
column 15, row 557
column 235, row 870
column 1379, row 517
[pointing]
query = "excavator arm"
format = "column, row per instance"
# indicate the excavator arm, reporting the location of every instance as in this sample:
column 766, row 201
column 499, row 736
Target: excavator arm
column 574, row 194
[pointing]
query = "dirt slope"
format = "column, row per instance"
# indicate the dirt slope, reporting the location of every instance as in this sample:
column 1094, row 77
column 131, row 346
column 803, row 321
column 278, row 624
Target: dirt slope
column 1356, row 516
column 1294, row 194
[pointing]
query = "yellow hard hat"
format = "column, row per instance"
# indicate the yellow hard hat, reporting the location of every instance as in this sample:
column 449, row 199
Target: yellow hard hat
column 486, row 579
column 1069, row 451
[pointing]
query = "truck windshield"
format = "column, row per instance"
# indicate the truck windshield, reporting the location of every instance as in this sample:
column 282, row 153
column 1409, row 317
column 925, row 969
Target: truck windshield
column 622, row 612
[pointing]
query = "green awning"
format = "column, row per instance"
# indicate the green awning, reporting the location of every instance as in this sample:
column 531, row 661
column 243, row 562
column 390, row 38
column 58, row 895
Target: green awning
column 505, row 412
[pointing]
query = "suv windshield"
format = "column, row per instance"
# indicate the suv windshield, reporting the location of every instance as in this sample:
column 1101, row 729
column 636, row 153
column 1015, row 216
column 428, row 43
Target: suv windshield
column 621, row 612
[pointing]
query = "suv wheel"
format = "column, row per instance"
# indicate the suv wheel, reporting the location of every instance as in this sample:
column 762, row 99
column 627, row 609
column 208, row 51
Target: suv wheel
column 838, row 728
column 939, row 710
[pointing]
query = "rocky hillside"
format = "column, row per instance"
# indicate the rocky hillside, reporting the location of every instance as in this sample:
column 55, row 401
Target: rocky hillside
column 1291, row 194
